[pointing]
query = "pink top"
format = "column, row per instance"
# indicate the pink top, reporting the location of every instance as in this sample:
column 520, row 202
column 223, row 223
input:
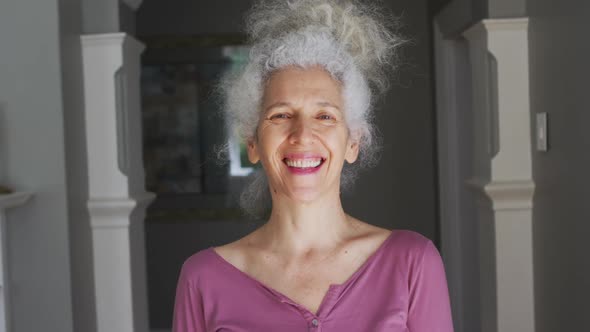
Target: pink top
column 401, row 287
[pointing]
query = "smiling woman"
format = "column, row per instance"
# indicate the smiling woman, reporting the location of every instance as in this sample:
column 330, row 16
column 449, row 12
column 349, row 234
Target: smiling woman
column 303, row 105
column 302, row 139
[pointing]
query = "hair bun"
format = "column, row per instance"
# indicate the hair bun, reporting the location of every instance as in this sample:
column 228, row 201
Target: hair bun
column 365, row 31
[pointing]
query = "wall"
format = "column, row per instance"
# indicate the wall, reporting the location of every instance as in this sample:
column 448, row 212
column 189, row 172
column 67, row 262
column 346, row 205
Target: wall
column 3, row 142
column 506, row 8
column 559, row 53
column 398, row 193
column 34, row 160
column 458, row 15
column 455, row 16
column 100, row 16
column 105, row 16
column 191, row 17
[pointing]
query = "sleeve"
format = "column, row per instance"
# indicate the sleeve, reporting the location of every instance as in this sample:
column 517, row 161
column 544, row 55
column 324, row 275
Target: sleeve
column 188, row 305
column 429, row 305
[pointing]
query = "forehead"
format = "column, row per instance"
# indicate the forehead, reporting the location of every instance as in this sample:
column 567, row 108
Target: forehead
column 295, row 84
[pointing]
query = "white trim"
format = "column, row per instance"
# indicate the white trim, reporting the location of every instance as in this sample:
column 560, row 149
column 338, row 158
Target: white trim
column 506, row 195
column 8, row 201
column 499, row 58
column 106, row 211
column 510, row 24
column 503, row 172
column 113, row 39
column 116, row 198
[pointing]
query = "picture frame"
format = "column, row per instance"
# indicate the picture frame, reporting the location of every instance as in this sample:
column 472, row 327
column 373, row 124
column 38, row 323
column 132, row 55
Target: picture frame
column 184, row 129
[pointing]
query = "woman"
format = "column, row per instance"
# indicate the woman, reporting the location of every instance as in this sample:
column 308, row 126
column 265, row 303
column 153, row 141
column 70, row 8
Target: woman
column 303, row 104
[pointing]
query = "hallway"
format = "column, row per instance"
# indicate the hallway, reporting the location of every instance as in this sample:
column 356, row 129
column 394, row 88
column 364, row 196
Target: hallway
column 85, row 247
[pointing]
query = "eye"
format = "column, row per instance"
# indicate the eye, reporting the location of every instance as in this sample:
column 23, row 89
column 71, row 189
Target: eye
column 279, row 116
column 326, row 116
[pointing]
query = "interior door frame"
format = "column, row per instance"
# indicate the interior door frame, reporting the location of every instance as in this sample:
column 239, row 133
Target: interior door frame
column 458, row 229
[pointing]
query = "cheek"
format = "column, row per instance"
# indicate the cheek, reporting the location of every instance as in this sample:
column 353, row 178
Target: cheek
column 269, row 140
column 340, row 140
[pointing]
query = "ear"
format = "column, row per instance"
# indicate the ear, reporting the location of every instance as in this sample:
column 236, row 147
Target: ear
column 352, row 151
column 253, row 155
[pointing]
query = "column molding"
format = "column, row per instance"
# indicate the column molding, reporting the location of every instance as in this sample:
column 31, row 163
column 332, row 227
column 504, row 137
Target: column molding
column 117, row 198
column 503, row 172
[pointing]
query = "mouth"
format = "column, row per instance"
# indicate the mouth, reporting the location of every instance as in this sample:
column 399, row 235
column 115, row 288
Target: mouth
column 304, row 165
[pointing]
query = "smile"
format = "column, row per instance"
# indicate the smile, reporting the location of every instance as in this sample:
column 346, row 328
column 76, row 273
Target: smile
column 304, row 165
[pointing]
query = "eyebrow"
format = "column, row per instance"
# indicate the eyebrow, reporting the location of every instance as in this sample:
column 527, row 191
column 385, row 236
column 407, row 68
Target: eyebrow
column 287, row 104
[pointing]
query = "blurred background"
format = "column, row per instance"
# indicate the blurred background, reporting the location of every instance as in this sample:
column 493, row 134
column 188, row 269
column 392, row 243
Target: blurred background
column 103, row 102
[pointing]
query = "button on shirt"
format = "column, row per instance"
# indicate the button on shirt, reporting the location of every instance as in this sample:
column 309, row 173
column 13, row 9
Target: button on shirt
column 315, row 322
column 400, row 288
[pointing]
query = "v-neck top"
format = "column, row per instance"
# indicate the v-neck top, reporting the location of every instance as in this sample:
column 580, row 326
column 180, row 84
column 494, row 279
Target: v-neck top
column 401, row 287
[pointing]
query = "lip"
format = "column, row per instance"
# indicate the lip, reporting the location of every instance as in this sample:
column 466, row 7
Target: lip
column 304, row 156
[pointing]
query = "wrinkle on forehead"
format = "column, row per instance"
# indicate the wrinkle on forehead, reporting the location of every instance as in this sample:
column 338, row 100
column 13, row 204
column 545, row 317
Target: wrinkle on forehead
column 288, row 84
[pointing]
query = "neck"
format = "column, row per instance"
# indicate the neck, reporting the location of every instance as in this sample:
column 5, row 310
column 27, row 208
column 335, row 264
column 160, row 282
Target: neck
column 297, row 228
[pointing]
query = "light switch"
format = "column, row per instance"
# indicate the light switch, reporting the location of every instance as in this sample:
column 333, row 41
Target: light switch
column 541, row 131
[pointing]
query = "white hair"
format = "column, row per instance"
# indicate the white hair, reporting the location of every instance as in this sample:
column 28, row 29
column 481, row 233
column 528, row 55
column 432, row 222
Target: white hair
column 354, row 42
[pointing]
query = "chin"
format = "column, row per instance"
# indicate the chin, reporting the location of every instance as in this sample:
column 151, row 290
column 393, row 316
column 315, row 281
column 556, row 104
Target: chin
column 306, row 196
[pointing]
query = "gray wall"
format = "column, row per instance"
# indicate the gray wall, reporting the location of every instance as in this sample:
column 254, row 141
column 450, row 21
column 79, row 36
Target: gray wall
column 185, row 17
column 506, row 8
column 559, row 53
column 34, row 160
column 455, row 16
column 105, row 16
column 398, row 193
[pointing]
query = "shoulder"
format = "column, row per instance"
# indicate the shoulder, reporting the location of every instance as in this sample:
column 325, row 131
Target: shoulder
column 420, row 259
column 411, row 249
column 199, row 266
column 409, row 241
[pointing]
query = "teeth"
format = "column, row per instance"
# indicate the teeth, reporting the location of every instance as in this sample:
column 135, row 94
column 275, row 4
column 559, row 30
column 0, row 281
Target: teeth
column 303, row 163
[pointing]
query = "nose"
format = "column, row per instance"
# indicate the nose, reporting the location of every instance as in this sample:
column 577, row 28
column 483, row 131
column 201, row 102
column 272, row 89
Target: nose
column 302, row 132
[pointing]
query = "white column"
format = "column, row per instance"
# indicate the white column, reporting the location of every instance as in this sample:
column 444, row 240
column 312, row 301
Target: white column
column 117, row 198
column 6, row 202
column 503, row 172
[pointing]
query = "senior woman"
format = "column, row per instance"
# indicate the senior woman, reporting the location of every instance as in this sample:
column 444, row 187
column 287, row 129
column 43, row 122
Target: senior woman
column 303, row 104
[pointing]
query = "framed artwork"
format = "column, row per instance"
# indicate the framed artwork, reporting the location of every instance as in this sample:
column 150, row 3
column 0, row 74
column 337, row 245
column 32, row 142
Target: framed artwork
column 183, row 128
